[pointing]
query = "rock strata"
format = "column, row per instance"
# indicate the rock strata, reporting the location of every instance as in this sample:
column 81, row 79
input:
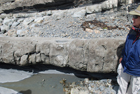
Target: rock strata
column 7, row 5
column 96, row 55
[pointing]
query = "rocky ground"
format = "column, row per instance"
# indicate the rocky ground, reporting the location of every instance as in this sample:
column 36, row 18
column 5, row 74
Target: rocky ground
column 87, row 86
column 71, row 23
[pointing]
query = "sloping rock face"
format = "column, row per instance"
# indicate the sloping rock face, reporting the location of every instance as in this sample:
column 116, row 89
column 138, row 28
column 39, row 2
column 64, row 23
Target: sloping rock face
column 103, row 4
column 96, row 55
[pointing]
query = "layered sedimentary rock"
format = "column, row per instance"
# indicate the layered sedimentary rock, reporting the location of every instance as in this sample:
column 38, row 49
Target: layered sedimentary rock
column 96, row 55
column 102, row 4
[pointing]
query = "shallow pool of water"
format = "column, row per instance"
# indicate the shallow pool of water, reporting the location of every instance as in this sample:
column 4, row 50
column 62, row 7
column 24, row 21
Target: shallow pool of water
column 42, row 84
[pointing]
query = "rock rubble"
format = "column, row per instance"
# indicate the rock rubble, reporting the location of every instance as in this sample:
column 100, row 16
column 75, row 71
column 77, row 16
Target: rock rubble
column 87, row 86
column 66, row 24
column 6, row 5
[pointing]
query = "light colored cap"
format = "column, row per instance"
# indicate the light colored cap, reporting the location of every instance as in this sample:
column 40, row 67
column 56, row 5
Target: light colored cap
column 136, row 11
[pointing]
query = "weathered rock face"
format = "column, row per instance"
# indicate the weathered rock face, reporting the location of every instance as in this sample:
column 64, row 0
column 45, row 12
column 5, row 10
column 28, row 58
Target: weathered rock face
column 16, row 4
column 96, row 55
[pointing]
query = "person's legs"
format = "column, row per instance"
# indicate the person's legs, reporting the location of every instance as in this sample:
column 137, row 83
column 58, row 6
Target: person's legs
column 134, row 87
column 129, row 91
column 122, row 79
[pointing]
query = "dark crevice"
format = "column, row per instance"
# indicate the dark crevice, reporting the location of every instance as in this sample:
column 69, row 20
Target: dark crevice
column 41, row 7
column 54, row 6
column 104, row 47
column 103, row 65
column 81, row 3
column 43, row 67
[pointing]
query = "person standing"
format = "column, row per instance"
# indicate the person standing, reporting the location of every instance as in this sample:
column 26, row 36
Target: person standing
column 129, row 68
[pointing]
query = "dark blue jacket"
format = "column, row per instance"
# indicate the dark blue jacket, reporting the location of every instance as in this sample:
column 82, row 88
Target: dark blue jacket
column 131, row 55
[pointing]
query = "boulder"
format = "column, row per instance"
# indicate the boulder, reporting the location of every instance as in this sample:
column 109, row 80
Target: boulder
column 96, row 55
column 80, row 13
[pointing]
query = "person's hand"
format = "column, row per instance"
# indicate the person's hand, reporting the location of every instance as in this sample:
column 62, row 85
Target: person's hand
column 120, row 60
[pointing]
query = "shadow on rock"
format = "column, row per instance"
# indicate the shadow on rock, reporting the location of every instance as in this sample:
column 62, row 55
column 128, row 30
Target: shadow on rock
column 26, row 92
column 44, row 67
column 119, row 51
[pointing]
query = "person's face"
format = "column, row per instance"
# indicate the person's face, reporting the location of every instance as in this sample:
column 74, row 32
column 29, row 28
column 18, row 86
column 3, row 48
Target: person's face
column 136, row 21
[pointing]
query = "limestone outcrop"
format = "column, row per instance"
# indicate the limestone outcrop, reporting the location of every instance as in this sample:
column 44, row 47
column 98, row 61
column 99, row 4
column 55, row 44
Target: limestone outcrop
column 96, row 55
column 102, row 4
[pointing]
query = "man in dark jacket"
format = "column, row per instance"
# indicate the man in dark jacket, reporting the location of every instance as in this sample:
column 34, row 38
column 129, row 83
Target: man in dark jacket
column 129, row 67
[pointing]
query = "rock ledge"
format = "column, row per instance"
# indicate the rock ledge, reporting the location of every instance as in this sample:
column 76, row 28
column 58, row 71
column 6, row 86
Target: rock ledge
column 96, row 55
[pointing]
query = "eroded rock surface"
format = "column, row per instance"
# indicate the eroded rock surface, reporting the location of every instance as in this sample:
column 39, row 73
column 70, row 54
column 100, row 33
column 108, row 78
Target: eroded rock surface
column 96, row 55
column 101, row 4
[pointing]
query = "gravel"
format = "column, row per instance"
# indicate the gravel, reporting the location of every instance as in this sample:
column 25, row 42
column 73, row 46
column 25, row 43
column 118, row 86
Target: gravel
column 64, row 25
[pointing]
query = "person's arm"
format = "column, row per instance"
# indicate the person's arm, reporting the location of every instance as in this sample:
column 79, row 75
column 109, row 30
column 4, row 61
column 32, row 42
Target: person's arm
column 120, row 60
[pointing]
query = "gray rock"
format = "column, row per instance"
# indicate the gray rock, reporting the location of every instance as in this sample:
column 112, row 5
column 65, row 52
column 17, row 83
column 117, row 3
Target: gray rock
column 45, row 59
column 32, row 59
column 24, row 60
column 58, row 54
column 23, row 15
column 76, row 55
column 15, row 24
column 8, row 21
column 39, row 20
column 93, row 8
column 20, row 20
column 96, row 55
column 1, row 20
column 4, row 29
column 6, row 48
column 43, row 14
column 49, row 13
column 79, row 90
column 38, row 58
column 20, row 32
column 80, row 13
column 3, row 16
column 27, row 21
column 104, row 51
column 58, row 15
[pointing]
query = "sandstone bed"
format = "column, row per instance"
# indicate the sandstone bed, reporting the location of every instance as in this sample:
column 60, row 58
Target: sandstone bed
column 95, row 55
